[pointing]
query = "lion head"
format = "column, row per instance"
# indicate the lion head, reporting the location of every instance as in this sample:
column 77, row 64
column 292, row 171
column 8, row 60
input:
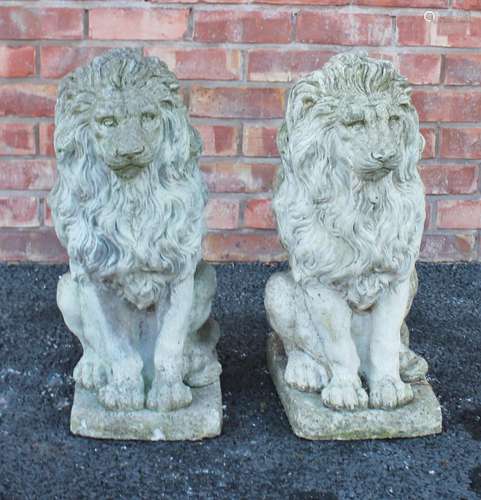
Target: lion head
column 349, row 201
column 129, row 197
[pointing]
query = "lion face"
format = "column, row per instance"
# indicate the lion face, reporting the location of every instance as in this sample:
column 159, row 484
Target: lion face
column 368, row 133
column 126, row 129
column 349, row 200
column 126, row 152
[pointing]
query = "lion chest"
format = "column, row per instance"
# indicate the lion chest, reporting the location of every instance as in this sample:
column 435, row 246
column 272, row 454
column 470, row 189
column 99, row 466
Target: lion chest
column 141, row 288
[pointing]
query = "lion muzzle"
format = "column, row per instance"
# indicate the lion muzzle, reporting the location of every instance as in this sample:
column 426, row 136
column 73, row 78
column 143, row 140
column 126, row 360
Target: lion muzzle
column 383, row 155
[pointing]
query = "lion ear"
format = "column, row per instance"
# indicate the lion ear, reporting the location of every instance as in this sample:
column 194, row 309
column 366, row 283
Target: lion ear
column 307, row 103
column 282, row 140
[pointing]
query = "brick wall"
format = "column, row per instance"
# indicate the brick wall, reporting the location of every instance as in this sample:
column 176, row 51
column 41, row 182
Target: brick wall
column 236, row 60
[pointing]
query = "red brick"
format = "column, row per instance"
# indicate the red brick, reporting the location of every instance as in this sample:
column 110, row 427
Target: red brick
column 27, row 99
column 17, row 139
column 447, row 105
column 16, row 62
column 18, row 212
column 222, row 213
column 138, row 24
column 295, row 2
column 258, row 214
column 44, row 23
column 450, row 179
column 43, row 246
column 461, row 143
column 463, row 69
column 429, row 211
column 37, row 246
column 253, row 26
column 442, row 247
column 272, row 2
column 13, row 245
column 238, row 102
column 47, row 214
column 200, row 64
column 270, row 65
column 341, row 28
column 46, row 131
column 244, row 246
column 420, row 69
column 404, row 3
column 429, row 135
column 459, row 214
column 259, row 141
column 237, row 177
column 467, row 4
column 444, row 31
column 27, row 174
column 56, row 61
column 219, row 140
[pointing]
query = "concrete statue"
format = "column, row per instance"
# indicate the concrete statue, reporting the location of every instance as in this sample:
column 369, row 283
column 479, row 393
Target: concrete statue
column 128, row 207
column 350, row 211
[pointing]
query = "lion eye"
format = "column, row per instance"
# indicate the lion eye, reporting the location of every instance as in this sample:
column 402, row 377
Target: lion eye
column 108, row 121
column 148, row 117
column 357, row 124
column 394, row 119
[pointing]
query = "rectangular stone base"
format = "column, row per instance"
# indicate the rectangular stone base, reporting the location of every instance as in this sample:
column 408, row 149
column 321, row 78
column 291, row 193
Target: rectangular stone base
column 202, row 419
column 310, row 419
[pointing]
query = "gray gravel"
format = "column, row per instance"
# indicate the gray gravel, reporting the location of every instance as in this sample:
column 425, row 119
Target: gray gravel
column 257, row 456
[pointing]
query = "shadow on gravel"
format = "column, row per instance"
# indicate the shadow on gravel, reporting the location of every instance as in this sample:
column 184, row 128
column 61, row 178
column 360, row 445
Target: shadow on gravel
column 475, row 476
column 472, row 422
column 257, row 455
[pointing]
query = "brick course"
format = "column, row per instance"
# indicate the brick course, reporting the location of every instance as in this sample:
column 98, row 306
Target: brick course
column 236, row 60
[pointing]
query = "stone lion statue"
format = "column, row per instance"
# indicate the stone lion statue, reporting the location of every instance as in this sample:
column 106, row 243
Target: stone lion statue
column 128, row 207
column 350, row 212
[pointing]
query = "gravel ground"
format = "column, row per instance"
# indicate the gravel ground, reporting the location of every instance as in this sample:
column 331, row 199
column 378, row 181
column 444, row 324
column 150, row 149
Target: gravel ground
column 257, row 456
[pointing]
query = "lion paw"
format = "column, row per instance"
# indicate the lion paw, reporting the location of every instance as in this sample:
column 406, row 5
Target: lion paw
column 344, row 395
column 412, row 367
column 303, row 373
column 168, row 396
column 207, row 375
column 123, row 395
column 389, row 393
column 90, row 372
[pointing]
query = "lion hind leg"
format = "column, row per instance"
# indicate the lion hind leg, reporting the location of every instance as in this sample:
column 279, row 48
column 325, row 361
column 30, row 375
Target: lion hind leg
column 201, row 366
column 68, row 303
column 303, row 372
column 412, row 366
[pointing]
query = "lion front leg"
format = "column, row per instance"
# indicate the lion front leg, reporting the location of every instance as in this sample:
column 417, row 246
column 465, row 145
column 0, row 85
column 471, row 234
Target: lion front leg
column 90, row 371
column 387, row 390
column 324, row 313
column 305, row 369
column 168, row 391
column 109, row 323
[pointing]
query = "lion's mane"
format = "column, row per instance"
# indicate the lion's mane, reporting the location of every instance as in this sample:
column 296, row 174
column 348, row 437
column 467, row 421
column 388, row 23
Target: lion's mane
column 325, row 214
column 139, row 234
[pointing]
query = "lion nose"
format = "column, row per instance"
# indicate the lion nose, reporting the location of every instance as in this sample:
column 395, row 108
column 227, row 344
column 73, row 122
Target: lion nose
column 383, row 155
column 131, row 152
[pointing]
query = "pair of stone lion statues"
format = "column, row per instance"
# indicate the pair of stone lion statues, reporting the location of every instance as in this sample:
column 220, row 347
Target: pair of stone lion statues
column 128, row 206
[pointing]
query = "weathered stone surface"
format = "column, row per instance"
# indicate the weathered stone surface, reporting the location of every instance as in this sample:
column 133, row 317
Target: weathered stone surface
column 350, row 211
column 202, row 419
column 310, row 419
column 128, row 206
